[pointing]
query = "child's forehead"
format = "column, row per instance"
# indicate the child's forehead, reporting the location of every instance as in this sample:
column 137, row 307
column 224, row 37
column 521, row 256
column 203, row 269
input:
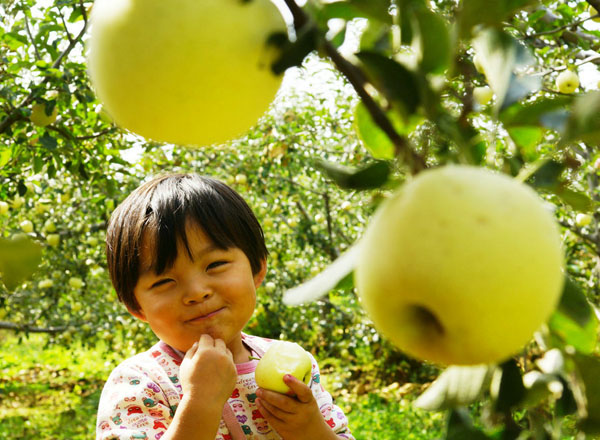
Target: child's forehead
column 191, row 242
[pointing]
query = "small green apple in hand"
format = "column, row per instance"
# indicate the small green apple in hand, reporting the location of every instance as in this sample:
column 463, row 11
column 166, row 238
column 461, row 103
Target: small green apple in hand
column 283, row 358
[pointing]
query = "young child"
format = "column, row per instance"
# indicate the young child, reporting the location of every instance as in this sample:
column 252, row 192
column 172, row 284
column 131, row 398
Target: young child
column 186, row 254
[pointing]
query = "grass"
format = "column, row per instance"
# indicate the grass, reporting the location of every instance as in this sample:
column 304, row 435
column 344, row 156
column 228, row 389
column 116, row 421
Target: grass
column 52, row 392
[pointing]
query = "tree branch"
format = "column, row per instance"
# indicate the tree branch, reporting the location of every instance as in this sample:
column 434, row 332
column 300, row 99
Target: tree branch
column 14, row 116
column 358, row 80
column 30, row 329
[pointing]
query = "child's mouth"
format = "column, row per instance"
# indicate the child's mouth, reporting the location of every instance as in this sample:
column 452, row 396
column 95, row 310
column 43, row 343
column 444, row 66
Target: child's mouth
column 208, row 315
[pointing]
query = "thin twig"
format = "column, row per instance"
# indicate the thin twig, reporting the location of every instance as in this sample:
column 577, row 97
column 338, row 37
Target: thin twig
column 38, row 56
column 589, row 59
column 560, row 28
column 62, row 18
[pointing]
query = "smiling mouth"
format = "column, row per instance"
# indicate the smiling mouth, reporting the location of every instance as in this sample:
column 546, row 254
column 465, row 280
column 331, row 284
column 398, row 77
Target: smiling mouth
column 207, row 316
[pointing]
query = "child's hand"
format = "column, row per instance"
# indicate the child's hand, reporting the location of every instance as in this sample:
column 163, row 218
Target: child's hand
column 294, row 417
column 207, row 371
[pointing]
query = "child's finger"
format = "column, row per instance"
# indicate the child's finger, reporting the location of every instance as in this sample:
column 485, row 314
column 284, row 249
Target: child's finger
column 303, row 392
column 191, row 351
column 206, row 340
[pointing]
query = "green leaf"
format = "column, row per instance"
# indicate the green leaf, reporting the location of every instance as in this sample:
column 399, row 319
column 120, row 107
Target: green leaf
column 398, row 84
column 369, row 177
column 547, row 176
column 584, row 120
column 351, row 9
column 574, row 303
column 574, row 322
column 375, row 140
column 5, row 155
column 333, row 276
column 19, row 259
column 292, row 53
column 49, row 142
column 545, row 112
column 504, row 59
column 457, row 386
column 431, row 41
column 460, row 427
column 474, row 12
column 527, row 138
column 588, row 368
column 511, row 390
column 579, row 201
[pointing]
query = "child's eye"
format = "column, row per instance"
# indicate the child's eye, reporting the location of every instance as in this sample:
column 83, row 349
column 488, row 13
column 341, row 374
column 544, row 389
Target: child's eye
column 216, row 264
column 160, row 283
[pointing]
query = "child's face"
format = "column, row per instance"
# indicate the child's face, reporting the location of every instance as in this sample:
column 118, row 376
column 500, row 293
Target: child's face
column 215, row 293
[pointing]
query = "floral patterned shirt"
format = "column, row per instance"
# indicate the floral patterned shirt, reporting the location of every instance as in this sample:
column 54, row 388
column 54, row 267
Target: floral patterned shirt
column 141, row 396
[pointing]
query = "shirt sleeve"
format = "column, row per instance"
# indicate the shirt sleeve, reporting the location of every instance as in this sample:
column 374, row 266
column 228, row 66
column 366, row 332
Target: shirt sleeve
column 132, row 406
column 333, row 415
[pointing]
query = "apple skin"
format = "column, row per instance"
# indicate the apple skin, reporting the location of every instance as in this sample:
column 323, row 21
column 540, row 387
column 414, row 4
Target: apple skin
column 53, row 239
column 583, row 220
column 460, row 266
column 75, row 282
column 184, row 71
column 3, row 208
column 283, row 358
column 483, row 95
column 40, row 118
column 26, row 226
column 567, row 82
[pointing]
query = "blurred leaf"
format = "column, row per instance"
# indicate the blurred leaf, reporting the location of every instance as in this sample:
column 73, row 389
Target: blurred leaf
column 398, row 84
column 5, row 155
column 371, row 176
column 473, row 12
column 577, row 200
column 456, row 386
column 431, row 42
column 460, row 427
column 511, row 389
column 376, row 37
column 588, row 368
column 526, row 138
column 48, row 142
column 574, row 303
column 19, row 259
column 333, row 276
column 293, row 53
column 546, row 112
column 351, row 9
column 566, row 404
column 584, row 120
column 547, row 176
column 504, row 59
column 374, row 139
column 574, row 322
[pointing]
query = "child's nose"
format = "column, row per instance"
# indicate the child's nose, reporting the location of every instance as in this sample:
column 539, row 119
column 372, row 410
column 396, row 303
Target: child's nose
column 196, row 292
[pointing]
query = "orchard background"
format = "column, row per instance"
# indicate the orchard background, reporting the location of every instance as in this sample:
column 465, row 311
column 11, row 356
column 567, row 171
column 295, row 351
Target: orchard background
column 374, row 91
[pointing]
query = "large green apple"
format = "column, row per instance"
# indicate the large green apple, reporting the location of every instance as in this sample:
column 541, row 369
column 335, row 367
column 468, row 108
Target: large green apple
column 184, row 71
column 283, row 358
column 461, row 266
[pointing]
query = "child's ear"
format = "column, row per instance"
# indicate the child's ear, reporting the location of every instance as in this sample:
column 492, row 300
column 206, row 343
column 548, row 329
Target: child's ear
column 139, row 314
column 260, row 275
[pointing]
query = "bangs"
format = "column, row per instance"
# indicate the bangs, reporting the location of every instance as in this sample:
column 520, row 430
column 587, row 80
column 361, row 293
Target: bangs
column 188, row 203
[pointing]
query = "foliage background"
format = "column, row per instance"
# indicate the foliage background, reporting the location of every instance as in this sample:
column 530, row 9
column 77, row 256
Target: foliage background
column 72, row 173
